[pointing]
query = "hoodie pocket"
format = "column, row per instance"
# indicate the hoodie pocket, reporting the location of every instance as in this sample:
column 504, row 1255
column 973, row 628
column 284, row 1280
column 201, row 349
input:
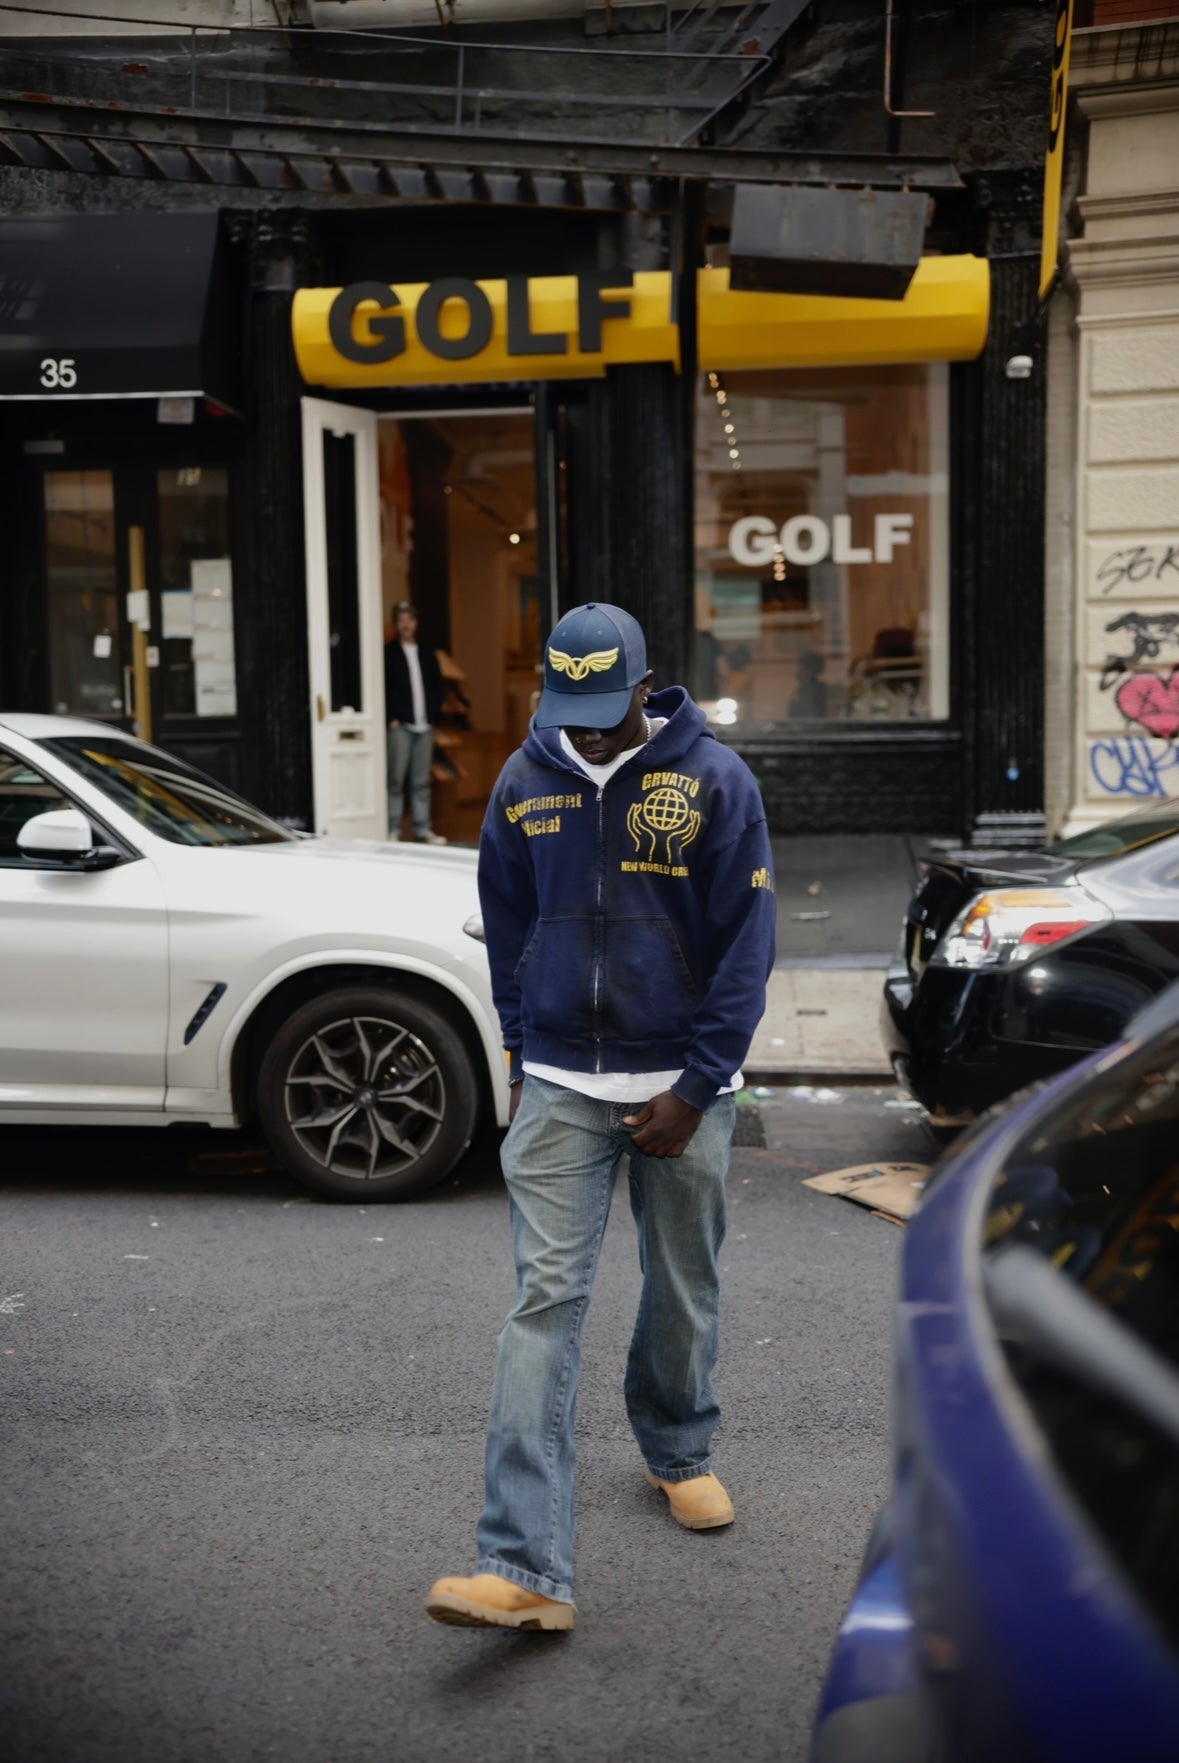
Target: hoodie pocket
column 650, row 990
column 556, row 978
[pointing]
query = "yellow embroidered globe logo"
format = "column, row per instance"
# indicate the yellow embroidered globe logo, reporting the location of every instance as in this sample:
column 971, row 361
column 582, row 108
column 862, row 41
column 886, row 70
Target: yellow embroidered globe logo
column 666, row 810
column 663, row 822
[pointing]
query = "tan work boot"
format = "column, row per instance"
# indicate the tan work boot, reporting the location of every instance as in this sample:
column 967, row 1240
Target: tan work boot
column 487, row 1601
column 698, row 1504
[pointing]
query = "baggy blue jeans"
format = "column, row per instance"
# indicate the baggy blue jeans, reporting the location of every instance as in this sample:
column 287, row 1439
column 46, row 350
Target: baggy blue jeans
column 559, row 1160
column 409, row 754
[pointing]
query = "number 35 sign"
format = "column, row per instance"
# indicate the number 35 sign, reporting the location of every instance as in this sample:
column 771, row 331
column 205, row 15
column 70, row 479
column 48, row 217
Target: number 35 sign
column 58, row 373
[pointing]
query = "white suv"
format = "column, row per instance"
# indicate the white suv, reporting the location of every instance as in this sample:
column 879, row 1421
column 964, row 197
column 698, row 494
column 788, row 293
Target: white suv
column 169, row 953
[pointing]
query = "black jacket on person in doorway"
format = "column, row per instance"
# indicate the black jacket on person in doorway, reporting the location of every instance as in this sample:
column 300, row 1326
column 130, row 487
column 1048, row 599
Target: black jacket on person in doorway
column 399, row 696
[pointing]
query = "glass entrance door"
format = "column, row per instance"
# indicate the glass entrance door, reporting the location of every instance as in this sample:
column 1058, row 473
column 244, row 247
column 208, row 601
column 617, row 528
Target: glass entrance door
column 182, row 512
column 86, row 635
column 461, row 541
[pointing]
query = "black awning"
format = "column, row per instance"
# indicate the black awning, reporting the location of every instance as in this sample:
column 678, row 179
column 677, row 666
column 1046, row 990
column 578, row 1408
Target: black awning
column 116, row 306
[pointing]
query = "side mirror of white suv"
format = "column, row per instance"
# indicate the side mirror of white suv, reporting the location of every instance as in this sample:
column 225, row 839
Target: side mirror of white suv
column 63, row 836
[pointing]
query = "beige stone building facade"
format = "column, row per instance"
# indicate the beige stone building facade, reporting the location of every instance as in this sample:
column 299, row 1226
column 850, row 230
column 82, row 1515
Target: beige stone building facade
column 1112, row 577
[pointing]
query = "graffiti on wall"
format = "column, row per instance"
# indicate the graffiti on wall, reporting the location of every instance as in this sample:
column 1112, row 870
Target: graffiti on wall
column 1138, row 564
column 1152, row 701
column 1149, row 633
column 1134, row 766
column 1146, row 696
column 1143, row 761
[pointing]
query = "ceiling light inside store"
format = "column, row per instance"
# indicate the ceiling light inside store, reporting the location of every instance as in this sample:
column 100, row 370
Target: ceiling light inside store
column 513, row 538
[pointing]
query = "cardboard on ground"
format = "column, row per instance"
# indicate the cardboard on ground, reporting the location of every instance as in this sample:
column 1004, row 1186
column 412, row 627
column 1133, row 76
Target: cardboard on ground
column 891, row 1188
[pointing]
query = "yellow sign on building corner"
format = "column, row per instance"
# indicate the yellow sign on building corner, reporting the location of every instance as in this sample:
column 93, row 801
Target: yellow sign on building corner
column 575, row 327
column 1054, row 158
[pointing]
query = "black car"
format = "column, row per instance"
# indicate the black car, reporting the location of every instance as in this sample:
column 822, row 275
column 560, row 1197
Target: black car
column 1013, row 965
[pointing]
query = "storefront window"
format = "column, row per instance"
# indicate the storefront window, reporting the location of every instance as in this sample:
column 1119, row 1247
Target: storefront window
column 85, row 663
column 822, row 545
column 196, row 586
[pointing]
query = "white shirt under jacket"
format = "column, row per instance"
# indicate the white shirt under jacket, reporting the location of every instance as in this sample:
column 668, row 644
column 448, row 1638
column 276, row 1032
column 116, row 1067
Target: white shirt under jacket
column 419, row 725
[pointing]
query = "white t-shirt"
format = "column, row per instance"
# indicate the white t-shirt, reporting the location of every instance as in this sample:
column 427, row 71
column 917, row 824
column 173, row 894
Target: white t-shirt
column 419, row 725
column 614, row 1086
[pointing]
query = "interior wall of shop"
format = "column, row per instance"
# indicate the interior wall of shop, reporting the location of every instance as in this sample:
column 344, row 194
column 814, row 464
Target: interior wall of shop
column 484, row 491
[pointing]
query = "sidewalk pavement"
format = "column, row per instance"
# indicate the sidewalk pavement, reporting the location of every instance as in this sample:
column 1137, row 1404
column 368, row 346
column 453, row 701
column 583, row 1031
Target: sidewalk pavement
column 841, row 899
column 820, row 1022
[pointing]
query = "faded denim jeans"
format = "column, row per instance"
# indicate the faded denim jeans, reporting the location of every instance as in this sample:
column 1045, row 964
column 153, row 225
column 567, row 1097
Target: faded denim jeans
column 409, row 754
column 559, row 1159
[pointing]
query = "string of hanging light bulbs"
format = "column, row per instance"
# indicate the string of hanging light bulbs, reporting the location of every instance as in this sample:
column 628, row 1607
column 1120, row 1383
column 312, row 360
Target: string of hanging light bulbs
column 729, row 430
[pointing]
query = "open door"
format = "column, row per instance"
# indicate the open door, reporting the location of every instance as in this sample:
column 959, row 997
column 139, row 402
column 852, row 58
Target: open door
column 344, row 619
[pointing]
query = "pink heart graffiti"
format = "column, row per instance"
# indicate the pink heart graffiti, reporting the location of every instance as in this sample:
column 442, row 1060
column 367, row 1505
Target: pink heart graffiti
column 1154, row 702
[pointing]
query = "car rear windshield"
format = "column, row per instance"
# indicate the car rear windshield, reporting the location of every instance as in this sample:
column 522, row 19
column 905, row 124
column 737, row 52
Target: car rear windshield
column 169, row 798
column 1092, row 1191
column 1113, row 838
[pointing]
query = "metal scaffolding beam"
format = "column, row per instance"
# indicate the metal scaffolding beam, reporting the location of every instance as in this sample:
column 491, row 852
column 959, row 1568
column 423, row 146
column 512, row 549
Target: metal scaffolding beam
column 374, row 161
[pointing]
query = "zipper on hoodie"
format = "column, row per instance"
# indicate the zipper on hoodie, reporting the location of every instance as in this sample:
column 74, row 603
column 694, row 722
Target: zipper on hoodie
column 596, row 988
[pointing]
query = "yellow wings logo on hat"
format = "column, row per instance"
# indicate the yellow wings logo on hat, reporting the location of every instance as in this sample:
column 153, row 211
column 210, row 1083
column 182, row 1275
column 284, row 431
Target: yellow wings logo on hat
column 578, row 666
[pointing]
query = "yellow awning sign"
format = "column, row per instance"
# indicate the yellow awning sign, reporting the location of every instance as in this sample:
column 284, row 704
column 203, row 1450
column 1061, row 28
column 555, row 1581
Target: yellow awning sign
column 943, row 317
column 466, row 332
column 457, row 331
column 1054, row 157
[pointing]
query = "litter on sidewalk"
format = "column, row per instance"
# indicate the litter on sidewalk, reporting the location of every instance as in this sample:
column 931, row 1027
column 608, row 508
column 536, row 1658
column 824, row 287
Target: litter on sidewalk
column 892, row 1189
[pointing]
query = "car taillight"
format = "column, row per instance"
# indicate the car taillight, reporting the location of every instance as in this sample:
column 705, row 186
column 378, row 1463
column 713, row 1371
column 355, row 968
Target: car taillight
column 1048, row 931
column 1009, row 925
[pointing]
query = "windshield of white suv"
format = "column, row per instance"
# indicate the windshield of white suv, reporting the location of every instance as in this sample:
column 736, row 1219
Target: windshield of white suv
column 169, row 798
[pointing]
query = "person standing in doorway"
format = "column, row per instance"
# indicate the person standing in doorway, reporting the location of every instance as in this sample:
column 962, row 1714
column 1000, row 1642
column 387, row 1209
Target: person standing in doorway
column 413, row 704
column 628, row 905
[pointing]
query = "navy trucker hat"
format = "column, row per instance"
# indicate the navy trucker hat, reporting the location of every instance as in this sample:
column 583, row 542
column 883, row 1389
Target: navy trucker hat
column 593, row 661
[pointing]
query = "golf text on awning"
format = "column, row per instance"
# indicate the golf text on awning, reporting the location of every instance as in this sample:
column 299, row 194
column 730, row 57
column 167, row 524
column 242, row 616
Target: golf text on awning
column 387, row 334
column 464, row 331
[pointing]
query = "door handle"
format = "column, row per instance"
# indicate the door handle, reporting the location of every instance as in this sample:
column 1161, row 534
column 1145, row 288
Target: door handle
column 320, row 707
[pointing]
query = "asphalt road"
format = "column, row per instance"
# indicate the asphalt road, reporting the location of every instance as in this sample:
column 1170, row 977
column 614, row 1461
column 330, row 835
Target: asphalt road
column 242, row 1432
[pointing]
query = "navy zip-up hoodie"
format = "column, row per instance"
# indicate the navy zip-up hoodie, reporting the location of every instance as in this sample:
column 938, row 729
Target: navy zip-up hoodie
column 630, row 928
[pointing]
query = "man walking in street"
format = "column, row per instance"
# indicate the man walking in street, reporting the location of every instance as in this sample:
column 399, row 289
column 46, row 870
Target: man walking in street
column 628, row 905
column 413, row 704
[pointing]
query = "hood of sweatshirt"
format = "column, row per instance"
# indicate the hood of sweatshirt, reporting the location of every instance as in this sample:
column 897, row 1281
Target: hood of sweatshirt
column 686, row 724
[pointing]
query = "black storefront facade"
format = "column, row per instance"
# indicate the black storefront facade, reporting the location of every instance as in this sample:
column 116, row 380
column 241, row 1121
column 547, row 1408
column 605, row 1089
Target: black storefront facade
column 924, row 715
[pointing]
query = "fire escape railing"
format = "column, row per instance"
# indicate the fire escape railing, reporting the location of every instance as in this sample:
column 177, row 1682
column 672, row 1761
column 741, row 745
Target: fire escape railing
column 448, row 82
